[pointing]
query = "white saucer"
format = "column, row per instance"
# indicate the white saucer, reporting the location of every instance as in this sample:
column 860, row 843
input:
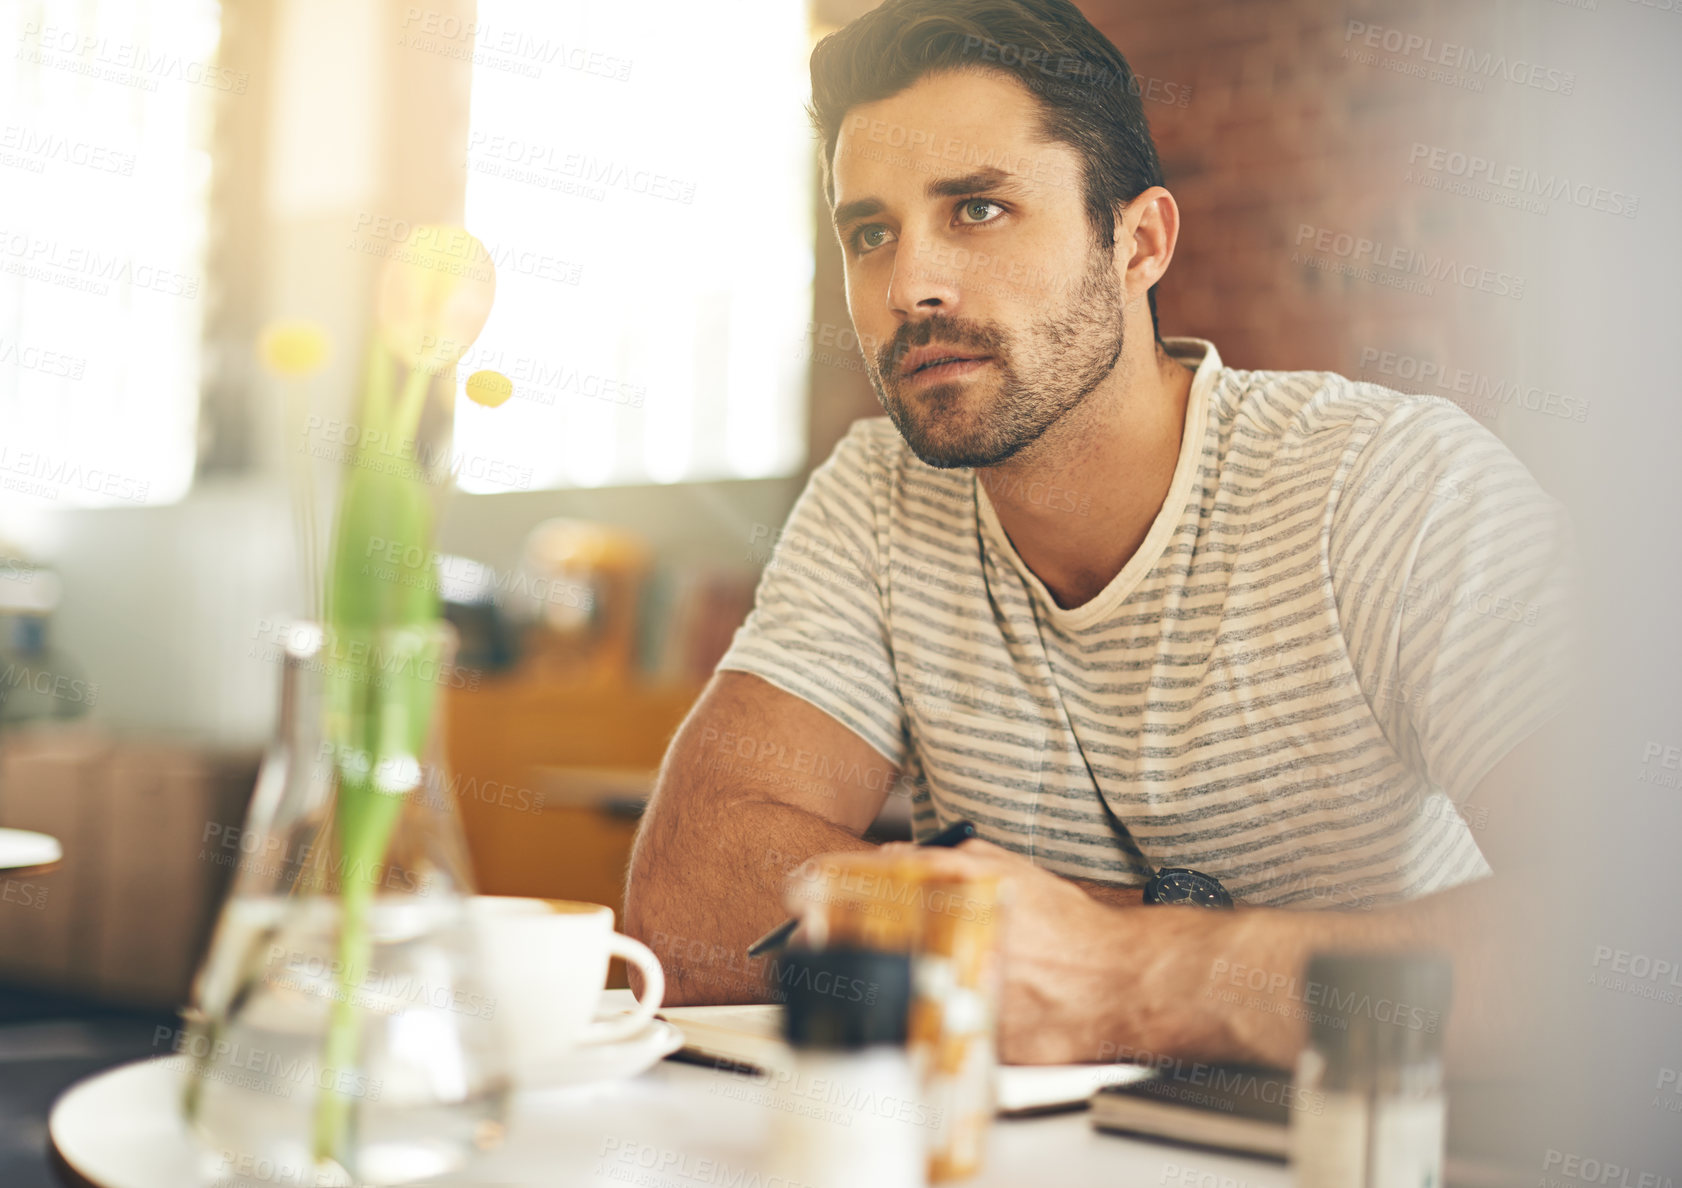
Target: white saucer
column 592, row 1063
column 21, row 849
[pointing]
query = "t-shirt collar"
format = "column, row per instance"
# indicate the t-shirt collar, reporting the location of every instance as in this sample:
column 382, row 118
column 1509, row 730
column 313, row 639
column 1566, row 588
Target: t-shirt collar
column 1200, row 353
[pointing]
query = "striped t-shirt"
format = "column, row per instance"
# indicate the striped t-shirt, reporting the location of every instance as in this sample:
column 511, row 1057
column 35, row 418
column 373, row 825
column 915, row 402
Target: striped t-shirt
column 1351, row 605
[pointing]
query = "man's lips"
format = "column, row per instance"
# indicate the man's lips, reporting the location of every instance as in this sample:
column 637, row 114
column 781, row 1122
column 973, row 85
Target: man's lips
column 941, row 362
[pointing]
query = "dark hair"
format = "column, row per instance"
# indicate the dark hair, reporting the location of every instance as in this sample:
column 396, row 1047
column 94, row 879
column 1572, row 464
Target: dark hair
column 1088, row 94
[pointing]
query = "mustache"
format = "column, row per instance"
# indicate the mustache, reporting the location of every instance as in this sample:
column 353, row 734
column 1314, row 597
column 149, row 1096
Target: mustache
column 947, row 331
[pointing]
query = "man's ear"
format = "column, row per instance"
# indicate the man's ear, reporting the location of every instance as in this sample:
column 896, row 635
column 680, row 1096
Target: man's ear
column 1147, row 230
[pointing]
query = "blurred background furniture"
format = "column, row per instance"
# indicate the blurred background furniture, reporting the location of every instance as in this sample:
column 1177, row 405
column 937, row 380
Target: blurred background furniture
column 552, row 778
column 143, row 825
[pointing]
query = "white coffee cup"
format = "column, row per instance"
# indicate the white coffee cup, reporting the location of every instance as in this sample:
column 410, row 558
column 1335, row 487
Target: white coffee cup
column 546, row 966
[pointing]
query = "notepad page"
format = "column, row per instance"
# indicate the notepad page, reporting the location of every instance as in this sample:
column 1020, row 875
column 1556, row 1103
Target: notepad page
column 752, row 1035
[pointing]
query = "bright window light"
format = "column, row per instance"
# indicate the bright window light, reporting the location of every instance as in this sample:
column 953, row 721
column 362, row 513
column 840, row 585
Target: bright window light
column 104, row 180
column 641, row 175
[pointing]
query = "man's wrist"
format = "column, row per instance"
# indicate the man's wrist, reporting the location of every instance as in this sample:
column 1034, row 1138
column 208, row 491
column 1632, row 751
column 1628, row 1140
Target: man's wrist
column 1111, row 894
column 1164, row 988
column 1238, row 1022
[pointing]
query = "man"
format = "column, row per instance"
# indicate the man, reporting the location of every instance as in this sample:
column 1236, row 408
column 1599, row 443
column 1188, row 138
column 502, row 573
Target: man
column 1124, row 608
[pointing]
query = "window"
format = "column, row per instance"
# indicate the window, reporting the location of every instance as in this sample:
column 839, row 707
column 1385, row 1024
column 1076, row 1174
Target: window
column 104, row 173
column 641, row 174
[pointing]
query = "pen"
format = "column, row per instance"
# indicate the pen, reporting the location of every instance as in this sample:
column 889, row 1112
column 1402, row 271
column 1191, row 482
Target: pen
column 954, row 833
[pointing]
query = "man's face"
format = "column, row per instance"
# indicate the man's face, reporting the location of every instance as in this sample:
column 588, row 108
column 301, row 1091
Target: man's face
column 966, row 240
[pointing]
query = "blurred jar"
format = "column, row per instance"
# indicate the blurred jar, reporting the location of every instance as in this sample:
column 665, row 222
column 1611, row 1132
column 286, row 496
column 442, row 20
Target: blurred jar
column 579, row 587
column 1374, row 1113
column 850, row 1109
column 37, row 680
column 950, row 928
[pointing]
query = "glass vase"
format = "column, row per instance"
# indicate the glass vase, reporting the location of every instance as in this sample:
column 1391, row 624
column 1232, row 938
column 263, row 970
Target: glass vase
column 338, row 1031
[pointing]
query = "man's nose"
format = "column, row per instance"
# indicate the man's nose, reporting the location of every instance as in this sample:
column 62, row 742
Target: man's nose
column 925, row 281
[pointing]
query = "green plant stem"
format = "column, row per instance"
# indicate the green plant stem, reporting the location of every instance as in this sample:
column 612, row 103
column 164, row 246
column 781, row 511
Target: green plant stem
column 375, row 716
column 405, row 421
column 339, row 1053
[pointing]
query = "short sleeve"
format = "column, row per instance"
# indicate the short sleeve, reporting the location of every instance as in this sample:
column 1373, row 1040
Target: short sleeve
column 1455, row 581
column 818, row 628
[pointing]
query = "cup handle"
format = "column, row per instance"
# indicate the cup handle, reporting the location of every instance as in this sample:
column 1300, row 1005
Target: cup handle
column 607, row 1031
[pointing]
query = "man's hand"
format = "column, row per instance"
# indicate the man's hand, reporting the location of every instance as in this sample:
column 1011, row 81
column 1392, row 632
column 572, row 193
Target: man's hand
column 1058, row 947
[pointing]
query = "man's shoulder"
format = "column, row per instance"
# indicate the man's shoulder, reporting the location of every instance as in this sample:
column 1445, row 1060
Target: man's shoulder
column 1298, row 405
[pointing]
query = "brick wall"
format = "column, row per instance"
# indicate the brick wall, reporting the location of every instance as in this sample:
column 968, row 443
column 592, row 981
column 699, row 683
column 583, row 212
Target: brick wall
column 1292, row 125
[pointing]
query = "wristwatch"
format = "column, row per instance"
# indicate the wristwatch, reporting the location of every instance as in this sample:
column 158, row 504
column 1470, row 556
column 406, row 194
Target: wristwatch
column 1179, row 884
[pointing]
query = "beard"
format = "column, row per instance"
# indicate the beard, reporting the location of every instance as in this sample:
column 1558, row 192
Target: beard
column 962, row 423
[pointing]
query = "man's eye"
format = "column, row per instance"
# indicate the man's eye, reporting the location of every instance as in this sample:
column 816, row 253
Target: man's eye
column 979, row 210
column 869, row 237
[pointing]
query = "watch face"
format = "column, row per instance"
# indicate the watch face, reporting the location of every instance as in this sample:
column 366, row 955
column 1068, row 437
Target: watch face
column 1178, row 884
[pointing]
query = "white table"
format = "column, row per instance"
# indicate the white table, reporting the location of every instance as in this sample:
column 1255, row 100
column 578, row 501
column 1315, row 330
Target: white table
column 120, row 1129
column 24, row 852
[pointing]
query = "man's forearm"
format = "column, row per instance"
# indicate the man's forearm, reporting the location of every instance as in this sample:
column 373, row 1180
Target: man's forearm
column 1233, row 986
column 701, row 891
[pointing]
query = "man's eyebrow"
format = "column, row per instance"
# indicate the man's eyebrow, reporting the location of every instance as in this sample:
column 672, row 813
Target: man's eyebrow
column 941, row 187
column 857, row 209
column 969, row 183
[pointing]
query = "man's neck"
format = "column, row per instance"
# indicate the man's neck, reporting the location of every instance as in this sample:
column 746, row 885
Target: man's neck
column 1079, row 502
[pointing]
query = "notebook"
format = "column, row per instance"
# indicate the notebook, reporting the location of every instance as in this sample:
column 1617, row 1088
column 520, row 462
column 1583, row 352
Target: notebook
column 750, row 1038
column 1237, row 1108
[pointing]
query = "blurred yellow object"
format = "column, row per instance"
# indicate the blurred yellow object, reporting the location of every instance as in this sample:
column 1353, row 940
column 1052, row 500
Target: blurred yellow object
column 591, row 577
column 435, row 295
column 489, row 388
column 292, row 348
